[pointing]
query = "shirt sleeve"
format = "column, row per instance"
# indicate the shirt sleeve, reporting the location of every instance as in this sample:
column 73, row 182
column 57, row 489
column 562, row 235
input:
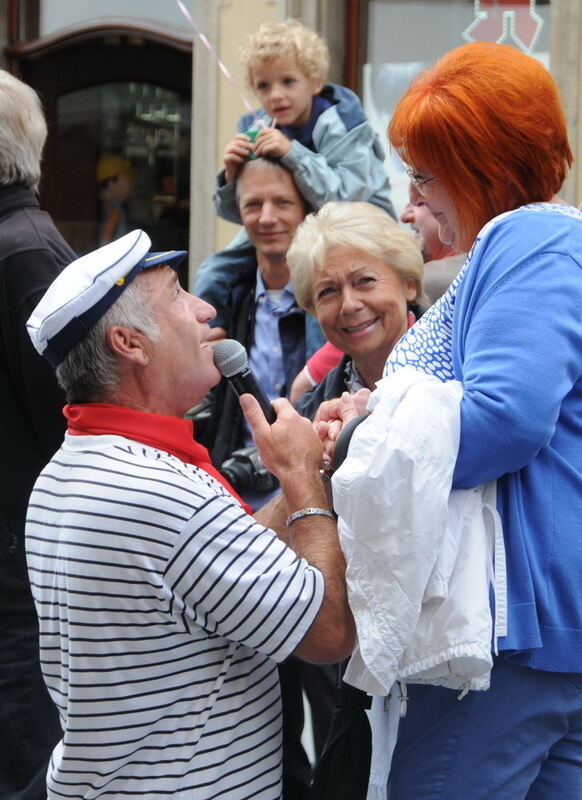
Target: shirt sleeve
column 519, row 355
column 224, row 199
column 235, row 578
column 327, row 357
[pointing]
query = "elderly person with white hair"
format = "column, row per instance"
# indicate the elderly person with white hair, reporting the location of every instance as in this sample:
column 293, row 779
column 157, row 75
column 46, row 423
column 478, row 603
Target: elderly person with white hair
column 164, row 606
column 361, row 275
column 32, row 253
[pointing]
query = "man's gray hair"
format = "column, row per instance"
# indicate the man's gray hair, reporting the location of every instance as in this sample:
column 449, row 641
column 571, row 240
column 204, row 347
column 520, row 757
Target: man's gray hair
column 90, row 372
column 23, row 132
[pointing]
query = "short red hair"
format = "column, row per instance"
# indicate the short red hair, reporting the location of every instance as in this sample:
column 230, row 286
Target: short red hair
column 487, row 121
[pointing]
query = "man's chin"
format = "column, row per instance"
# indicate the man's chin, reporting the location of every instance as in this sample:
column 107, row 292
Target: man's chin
column 273, row 240
column 275, row 252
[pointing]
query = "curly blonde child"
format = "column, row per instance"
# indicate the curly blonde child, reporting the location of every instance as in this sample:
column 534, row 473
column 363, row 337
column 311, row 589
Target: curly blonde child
column 275, row 40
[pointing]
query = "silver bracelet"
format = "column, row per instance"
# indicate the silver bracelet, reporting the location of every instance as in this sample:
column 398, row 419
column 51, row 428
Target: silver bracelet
column 309, row 512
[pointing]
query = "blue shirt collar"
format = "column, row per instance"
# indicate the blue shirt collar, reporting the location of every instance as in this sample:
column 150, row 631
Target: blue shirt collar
column 287, row 298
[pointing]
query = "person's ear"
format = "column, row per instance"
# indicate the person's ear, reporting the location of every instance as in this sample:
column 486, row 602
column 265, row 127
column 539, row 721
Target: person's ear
column 318, row 85
column 411, row 290
column 129, row 344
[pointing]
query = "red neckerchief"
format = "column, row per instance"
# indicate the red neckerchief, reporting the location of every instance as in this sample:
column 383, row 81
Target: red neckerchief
column 169, row 434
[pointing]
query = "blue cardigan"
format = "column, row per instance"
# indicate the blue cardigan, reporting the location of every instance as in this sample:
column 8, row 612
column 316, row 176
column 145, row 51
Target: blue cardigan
column 513, row 321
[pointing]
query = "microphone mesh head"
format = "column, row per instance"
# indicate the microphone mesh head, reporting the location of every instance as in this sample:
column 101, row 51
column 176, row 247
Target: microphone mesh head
column 230, row 357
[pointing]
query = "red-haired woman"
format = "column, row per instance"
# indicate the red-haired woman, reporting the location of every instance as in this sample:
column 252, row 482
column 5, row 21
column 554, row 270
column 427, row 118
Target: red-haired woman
column 483, row 136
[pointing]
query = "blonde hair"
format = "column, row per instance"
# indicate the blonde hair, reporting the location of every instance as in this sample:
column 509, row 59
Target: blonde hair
column 351, row 226
column 275, row 40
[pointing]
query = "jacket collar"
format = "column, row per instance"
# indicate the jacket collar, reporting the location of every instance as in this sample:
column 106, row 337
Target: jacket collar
column 15, row 197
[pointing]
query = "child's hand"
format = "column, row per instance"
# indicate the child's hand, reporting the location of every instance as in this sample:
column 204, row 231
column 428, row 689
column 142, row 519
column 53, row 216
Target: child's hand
column 235, row 155
column 271, row 142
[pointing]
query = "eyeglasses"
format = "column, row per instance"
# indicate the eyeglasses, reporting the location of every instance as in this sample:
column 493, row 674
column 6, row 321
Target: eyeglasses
column 417, row 180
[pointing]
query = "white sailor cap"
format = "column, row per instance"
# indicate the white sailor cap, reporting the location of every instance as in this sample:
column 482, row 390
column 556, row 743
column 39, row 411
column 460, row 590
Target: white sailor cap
column 86, row 289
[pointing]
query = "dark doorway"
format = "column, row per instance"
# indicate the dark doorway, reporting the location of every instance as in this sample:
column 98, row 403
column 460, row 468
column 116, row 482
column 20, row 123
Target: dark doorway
column 126, row 93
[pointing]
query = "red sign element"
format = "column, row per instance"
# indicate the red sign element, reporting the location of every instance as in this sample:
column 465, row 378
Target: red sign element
column 496, row 20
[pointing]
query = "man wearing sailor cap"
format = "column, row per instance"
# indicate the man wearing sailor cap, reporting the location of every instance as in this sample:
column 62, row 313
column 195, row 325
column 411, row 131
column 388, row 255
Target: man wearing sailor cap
column 163, row 605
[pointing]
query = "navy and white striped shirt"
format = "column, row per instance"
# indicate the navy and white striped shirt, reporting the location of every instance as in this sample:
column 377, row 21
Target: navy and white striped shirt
column 163, row 609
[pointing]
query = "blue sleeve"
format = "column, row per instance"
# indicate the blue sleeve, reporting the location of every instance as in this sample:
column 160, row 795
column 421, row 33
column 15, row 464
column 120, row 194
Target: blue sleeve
column 224, row 197
column 348, row 165
column 216, row 274
column 348, row 162
column 517, row 342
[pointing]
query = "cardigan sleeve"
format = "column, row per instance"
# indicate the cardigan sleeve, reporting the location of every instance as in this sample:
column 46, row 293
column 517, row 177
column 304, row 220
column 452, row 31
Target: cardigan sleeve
column 518, row 351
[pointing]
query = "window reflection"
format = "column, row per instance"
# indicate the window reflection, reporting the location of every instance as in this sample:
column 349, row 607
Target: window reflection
column 139, row 125
column 405, row 36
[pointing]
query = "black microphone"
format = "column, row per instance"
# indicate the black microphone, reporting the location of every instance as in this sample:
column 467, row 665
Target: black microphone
column 343, row 440
column 231, row 359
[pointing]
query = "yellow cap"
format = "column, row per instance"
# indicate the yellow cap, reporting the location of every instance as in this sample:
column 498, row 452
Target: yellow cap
column 109, row 166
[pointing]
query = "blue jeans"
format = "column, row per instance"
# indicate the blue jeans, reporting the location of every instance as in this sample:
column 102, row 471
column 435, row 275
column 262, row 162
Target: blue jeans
column 520, row 740
column 29, row 722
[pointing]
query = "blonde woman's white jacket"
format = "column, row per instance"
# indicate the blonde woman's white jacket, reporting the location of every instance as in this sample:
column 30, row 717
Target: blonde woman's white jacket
column 422, row 560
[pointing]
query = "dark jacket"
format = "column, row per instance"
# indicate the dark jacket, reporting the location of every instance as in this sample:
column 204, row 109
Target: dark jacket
column 224, row 431
column 32, row 253
column 331, row 386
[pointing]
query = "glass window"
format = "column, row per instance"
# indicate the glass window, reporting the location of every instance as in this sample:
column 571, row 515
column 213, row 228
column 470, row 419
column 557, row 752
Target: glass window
column 136, row 130
column 58, row 14
column 405, row 36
